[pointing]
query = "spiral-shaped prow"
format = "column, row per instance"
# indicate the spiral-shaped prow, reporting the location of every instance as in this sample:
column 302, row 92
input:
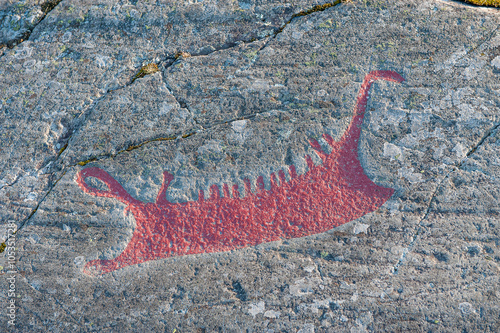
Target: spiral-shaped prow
column 115, row 190
column 384, row 75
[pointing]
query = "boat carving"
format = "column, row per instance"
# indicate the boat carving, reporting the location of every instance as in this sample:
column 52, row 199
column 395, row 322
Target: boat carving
column 326, row 196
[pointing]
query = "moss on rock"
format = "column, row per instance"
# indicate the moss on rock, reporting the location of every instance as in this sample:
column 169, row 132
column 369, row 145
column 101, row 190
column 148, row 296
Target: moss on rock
column 493, row 3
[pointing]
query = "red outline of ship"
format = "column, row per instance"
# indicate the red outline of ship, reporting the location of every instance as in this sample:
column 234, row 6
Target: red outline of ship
column 327, row 195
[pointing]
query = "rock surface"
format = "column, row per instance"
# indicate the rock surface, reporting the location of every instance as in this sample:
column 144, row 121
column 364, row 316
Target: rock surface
column 241, row 88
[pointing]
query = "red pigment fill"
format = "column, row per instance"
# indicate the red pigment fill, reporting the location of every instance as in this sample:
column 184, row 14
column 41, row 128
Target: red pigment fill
column 326, row 196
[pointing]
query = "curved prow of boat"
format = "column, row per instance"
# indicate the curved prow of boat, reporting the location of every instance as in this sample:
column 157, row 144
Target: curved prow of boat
column 352, row 134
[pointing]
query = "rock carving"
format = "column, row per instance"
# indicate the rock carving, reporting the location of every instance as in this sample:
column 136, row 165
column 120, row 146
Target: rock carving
column 326, row 196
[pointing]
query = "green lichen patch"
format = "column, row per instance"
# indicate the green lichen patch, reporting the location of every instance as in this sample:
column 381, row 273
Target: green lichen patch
column 317, row 8
column 49, row 5
column 83, row 163
column 182, row 54
column 492, row 3
column 146, row 70
column 62, row 149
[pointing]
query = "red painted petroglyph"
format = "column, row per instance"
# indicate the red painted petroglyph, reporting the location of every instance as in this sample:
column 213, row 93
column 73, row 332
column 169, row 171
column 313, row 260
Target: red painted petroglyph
column 326, row 196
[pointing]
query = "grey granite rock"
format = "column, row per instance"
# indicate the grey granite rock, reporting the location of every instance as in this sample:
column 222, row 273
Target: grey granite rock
column 241, row 88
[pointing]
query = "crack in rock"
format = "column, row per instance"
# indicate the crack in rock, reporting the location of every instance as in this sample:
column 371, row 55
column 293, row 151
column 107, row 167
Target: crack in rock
column 11, row 184
column 170, row 60
column 488, row 133
column 456, row 167
column 64, row 168
column 26, row 220
column 170, row 138
column 25, row 32
column 413, row 242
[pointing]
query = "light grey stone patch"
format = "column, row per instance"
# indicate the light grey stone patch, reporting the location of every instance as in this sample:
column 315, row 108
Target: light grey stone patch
column 393, row 205
column 451, row 61
column 103, row 61
column 79, row 261
column 460, row 150
column 309, row 269
column 23, row 52
column 239, row 125
column 211, row 146
column 496, row 62
column 466, row 308
column 34, row 238
column 410, row 175
column 360, row 228
column 66, row 37
column 240, row 132
column 307, row 328
column 393, row 152
column 272, row 314
column 256, row 308
column 36, row 284
column 303, row 287
column 315, row 306
column 245, row 4
column 31, row 196
column 167, row 107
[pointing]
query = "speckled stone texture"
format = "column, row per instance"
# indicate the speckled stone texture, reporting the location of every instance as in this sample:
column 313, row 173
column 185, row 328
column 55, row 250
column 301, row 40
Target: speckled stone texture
column 241, row 88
